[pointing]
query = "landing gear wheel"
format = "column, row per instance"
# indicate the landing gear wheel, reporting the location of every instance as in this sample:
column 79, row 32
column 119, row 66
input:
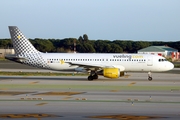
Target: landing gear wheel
column 90, row 78
column 149, row 78
column 95, row 76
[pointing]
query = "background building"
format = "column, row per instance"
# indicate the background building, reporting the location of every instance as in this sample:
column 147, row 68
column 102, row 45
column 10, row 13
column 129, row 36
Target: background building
column 4, row 52
column 159, row 50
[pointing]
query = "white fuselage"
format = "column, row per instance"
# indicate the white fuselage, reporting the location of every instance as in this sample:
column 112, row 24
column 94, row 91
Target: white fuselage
column 127, row 62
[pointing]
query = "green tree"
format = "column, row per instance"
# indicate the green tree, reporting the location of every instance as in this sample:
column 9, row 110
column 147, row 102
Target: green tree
column 5, row 43
column 99, row 46
column 80, row 39
column 116, row 48
column 85, row 38
column 43, row 45
column 89, row 48
column 107, row 48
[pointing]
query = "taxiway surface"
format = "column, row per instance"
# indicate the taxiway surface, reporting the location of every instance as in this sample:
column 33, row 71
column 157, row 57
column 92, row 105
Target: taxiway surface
column 132, row 97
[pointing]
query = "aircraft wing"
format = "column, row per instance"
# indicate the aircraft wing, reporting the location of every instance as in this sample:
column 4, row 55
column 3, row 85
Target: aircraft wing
column 95, row 66
column 88, row 65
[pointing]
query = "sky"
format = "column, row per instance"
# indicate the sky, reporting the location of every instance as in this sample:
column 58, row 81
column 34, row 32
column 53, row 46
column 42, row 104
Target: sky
column 138, row 20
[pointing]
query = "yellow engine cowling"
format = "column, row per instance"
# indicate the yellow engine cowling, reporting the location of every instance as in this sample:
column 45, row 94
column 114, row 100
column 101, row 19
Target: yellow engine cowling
column 112, row 72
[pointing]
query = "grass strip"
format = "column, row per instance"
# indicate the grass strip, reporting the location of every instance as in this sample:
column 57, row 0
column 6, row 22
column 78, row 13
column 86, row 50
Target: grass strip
column 40, row 74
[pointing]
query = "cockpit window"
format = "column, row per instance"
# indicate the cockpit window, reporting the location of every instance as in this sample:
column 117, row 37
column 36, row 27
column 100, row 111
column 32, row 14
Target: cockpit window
column 162, row 60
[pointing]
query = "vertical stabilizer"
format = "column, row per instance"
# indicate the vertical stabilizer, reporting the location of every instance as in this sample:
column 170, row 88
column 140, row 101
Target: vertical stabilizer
column 20, row 43
column 25, row 52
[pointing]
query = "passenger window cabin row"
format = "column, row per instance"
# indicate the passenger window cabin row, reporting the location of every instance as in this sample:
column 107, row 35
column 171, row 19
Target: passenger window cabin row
column 69, row 60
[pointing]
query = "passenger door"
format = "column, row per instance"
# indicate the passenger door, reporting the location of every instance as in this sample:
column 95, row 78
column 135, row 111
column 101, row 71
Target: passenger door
column 150, row 61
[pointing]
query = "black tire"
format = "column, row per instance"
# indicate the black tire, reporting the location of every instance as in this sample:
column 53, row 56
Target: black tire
column 90, row 78
column 95, row 76
column 150, row 78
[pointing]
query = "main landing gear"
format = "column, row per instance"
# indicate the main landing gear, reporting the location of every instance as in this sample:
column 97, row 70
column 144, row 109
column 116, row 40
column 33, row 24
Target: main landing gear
column 149, row 76
column 92, row 76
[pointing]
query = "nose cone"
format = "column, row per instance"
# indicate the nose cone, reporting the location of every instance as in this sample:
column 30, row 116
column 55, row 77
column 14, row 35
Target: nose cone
column 170, row 66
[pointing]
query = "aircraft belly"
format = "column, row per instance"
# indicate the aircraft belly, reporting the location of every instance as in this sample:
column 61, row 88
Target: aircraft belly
column 57, row 66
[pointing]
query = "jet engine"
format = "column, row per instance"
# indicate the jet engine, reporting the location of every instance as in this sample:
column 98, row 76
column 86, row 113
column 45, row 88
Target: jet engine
column 112, row 72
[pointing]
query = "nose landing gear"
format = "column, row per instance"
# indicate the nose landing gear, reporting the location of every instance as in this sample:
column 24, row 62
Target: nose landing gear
column 149, row 76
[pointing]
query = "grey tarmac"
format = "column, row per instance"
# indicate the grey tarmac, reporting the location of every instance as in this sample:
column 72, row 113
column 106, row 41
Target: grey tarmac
column 132, row 97
column 76, row 98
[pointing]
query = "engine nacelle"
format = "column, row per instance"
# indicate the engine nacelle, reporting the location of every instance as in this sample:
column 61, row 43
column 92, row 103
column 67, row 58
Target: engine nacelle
column 112, row 72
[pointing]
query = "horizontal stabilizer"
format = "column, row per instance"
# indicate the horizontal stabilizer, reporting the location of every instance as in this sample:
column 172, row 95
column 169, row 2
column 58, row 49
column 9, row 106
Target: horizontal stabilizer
column 15, row 58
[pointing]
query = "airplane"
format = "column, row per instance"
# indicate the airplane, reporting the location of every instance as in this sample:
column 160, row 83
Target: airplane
column 109, row 65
